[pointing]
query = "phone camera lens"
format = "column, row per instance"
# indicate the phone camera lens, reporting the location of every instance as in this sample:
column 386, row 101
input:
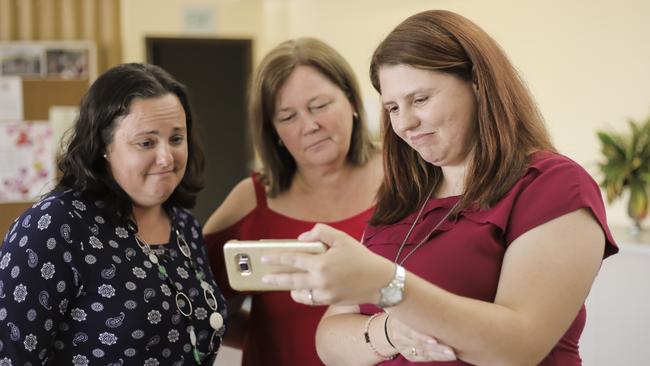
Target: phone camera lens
column 244, row 264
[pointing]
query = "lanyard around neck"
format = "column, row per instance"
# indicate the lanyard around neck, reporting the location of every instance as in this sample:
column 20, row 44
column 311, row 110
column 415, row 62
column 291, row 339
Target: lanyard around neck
column 408, row 234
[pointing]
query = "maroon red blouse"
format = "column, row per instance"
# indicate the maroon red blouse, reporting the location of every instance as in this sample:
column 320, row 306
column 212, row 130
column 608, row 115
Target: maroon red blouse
column 464, row 256
column 281, row 331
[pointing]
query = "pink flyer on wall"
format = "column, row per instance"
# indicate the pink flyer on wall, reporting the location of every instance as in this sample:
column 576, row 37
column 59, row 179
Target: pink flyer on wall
column 27, row 167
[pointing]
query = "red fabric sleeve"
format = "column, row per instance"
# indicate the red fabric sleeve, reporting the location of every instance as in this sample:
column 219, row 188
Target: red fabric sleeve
column 555, row 186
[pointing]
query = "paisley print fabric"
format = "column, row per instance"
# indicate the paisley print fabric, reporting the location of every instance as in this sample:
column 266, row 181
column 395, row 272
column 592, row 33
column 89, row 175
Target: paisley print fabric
column 77, row 290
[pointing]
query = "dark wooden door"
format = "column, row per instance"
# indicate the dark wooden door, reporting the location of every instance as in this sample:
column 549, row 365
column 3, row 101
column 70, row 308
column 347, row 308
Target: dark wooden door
column 216, row 72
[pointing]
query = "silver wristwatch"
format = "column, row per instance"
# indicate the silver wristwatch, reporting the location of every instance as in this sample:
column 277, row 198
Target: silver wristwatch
column 393, row 294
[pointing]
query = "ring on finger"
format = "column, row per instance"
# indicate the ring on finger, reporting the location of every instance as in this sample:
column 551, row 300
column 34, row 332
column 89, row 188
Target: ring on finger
column 310, row 297
column 414, row 351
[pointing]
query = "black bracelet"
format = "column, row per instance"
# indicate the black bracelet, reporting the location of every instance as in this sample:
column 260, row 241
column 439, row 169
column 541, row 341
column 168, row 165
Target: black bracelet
column 386, row 331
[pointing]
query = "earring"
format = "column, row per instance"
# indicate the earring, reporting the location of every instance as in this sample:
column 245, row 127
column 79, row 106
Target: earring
column 280, row 143
column 355, row 116
column 105, row 157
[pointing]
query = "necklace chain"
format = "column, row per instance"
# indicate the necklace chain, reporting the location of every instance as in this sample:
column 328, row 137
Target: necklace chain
column 211, row 300
column 417, row 218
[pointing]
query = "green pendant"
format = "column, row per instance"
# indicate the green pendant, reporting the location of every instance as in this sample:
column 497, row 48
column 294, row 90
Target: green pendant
column 195, row 352
column 162, row 270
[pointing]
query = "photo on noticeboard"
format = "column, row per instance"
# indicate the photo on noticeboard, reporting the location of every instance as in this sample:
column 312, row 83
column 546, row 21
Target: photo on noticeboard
column 21, row 61
column 66, row 63
column 66, row 60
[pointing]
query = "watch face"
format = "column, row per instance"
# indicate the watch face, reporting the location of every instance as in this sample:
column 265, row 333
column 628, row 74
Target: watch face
column 391, row 295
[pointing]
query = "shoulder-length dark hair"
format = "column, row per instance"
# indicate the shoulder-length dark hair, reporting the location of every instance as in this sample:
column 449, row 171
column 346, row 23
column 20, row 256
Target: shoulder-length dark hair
column 108, row 98
column 278, row 165
column 509, row 125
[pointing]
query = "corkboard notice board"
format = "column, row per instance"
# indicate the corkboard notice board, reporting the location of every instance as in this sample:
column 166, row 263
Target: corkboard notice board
column 38, row 96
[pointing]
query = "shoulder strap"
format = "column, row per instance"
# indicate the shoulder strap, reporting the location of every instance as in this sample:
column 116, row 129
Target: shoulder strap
column 260, row 190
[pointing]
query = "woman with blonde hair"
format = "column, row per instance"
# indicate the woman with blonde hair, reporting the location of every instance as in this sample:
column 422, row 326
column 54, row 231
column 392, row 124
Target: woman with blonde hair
column 318, row 164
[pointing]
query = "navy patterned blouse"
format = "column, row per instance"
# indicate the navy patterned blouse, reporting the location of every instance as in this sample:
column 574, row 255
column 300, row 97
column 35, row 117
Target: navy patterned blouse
column 78, row 290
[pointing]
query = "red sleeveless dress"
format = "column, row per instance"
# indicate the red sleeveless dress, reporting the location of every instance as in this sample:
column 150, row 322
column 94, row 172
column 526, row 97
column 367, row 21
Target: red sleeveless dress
column 281, row 331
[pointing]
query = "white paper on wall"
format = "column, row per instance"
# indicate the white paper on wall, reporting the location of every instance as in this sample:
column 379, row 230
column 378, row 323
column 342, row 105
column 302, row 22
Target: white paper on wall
column 11, row 98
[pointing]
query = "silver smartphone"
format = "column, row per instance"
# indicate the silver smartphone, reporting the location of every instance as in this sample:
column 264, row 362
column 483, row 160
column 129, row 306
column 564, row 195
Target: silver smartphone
column 245, row 269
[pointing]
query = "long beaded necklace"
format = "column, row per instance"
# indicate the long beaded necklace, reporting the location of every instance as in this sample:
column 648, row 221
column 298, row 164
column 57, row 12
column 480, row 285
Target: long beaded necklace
column 417, row 218
column 183, row 302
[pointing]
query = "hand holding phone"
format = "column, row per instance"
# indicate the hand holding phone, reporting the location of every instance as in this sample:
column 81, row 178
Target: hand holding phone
column 245, row 269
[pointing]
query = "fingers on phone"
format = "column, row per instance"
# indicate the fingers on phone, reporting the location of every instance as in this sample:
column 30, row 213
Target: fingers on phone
column 287, row 280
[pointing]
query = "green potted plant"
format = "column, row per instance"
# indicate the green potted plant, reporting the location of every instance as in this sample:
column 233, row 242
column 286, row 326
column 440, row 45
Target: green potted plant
column 626, row 166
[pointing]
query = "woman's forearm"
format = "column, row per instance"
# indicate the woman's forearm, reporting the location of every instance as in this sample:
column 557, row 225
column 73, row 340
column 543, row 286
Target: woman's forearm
column 340, row 340
column 545, row 278
column 480, row 332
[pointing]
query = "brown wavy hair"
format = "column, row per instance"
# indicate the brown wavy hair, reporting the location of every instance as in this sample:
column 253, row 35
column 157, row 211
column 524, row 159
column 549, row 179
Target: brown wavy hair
column 509, row 124
column 82, row 163
column 278, row 165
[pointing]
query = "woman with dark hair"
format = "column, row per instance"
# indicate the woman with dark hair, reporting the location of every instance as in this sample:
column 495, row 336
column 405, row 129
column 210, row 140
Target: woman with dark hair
column 318, row 165
column 110, row 266
column 484, row 237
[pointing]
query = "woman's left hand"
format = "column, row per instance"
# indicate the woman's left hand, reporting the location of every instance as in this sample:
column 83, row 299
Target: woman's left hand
column 416, row 346
column 347, row 273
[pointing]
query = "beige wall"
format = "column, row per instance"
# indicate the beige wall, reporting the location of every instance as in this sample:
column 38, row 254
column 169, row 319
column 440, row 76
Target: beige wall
column 586, row 61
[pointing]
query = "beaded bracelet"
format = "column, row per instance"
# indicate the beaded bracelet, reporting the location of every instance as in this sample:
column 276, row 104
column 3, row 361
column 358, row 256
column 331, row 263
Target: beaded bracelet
column 366, row 335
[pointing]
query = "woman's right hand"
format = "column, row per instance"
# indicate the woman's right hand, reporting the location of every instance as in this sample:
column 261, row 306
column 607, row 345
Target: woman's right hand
column 346, row 274
column 416, row 346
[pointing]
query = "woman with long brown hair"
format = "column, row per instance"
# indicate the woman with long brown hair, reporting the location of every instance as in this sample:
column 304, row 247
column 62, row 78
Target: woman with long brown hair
column 484, row 237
